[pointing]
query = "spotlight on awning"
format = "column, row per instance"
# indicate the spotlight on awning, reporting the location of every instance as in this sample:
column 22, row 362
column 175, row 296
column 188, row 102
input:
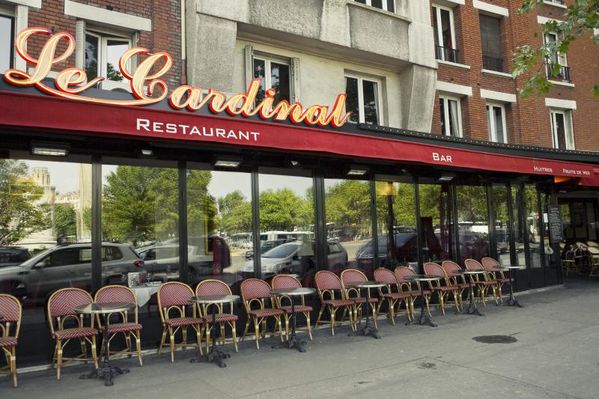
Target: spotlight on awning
column 51, row 150
column 227, row 163
column 357, row 171
column 445, row 177
column 146, row 152
column 294, row 163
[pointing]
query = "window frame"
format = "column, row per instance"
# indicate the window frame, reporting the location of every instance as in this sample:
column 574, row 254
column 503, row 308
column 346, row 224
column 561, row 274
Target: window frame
column 268, row 59
column 383, row 2
column 568, row 125
column 499, row 19
column 379, row 96
column 491, row 121
column 439, row 33
column 10, row 14
column 103, row 36
column 446, row 98
column 561, row 58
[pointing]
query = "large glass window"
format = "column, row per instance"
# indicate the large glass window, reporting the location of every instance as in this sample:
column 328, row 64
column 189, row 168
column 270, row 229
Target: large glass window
column 492, row 43
column 44, row 238
column 6, row 42
column 363, row 100
column 435, row 222
column 561, row 129
column 451, row 116
column 473, row 221
column 496, row 123
column 502, row 223
column 556, row 65
column 533, row 224
column 349, row 225
column 102, row 54
column 445, row 42
column 219, row 225
column 273, row 73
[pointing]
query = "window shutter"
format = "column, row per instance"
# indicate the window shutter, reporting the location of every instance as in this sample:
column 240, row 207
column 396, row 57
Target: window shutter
column 249, row 61
column 80, row 40
column 294, row 65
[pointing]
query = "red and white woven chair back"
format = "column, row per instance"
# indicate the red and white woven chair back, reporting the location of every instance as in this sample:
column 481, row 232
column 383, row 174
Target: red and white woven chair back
column 433, row 269
column 385, row 276
column 114, row 294
column 401, row 272
column 174, row 293
column 254, row 288
column 349, row 276
column 450, row 266
column 490, row 264
column 212, row 287
column 64, row 302
column 472, row 264
column 285, row 281
column 10, row 308
column 326, row 280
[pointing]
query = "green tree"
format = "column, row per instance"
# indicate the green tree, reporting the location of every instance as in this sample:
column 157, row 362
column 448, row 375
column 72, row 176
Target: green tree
column 581, row 20
column 235, row 213
column 348, row 204
column 284, row 210
column 65, row 221
column 19, row 216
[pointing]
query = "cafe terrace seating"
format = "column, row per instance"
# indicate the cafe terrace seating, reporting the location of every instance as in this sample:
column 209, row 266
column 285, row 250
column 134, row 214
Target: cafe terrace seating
column 257, row 292
column 452, row 270
column 494, row 268
column 11, row 312
column 61, row 316
column 177, row 314
column 411, row 287
column 354, row 276
column 443, row 291
column 330, row 292
column 127, row 327
column 391, row 293
column 482, row 283
column 287, row 281
column 223, row 318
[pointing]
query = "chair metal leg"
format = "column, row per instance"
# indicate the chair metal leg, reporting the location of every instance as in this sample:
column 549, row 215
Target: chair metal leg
column 138, row 346
column 257, row 332
column 58, row 358
column 319, row 315
column 247, row 326
column 307, row 314
column 172, row 343
column 333, row 312
column 13, row 365
column 94, row 353
column 234, row 334
column 162, row 340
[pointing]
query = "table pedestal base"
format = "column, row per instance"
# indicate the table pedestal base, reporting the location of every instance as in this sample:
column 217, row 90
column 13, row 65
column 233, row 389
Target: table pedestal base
column 367, row 331
column 513, row 302
column 293, row 342
column 473, row 310
column 215, row 355
column 105, row 372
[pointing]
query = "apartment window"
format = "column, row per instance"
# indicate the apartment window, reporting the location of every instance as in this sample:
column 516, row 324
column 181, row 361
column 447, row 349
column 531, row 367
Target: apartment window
column 363, row 100
column 492, row 44
column 451, row 116
column 273, row 73
column 7, row 28
column 556, row 65
column 558, row 2
column 387, row 5
column 445, row 44
column 561, row 129
column 496, row 123
column 102, row 54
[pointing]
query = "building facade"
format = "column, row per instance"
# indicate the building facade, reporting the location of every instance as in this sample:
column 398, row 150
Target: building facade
column 200, row 189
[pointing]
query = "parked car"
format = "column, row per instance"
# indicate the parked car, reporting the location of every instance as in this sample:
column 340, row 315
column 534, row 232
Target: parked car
column 12, row 256
column 405, row 249
column 68, row 266
column 264, row 246
column 297, row 257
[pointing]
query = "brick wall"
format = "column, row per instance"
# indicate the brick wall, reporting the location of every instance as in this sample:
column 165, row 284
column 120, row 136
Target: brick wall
column 165, row 34
column 528, row 120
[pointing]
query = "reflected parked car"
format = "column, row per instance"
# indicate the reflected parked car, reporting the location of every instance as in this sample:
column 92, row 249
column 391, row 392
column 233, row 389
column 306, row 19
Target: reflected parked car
column 297, row 257
column 12, row 256
column 68, row 266
column 264, row 247
column 405, row 249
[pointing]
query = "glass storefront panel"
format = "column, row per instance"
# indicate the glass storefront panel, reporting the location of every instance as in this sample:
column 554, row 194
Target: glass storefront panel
column 219, row 225
column 473, row 222
column 287, row 242
column 435, row 222
column 396, row 224
column 518, row 227
column 532, row 225
column 502, row 223
column 44, row 239
column 349, row 225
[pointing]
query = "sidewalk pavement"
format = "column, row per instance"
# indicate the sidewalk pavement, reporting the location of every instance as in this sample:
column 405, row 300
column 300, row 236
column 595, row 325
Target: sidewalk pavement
column 556, row 355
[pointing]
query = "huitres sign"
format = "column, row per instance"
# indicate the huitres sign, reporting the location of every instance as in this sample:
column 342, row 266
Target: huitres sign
column 148, row 87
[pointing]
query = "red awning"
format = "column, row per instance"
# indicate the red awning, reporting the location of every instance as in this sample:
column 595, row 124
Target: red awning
column 42, row 112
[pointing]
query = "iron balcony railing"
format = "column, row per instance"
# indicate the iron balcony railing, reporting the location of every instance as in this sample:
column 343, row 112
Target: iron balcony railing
column 563, row 73
column 492, row 63
column 447, row 54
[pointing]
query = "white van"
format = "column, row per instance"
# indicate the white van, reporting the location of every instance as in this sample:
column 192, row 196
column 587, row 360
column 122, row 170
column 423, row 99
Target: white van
column 286, row 236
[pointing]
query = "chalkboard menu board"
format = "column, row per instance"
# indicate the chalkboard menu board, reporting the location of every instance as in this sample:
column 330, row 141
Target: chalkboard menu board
column 555, row 223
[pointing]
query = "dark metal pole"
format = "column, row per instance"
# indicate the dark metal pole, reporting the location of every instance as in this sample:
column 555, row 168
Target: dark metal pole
column 510, row 226
column 96, row 223
column 256, row 223
column 418, row 226
column 183, row 239
column 320, row 222
column 491, row 221
column 374, row 221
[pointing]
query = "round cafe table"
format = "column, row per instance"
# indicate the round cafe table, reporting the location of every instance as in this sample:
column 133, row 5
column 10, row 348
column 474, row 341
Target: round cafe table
column 106, row 371
column 368, row 329
column 424, row 318
column 472, row 309
column 512, row 301
column 293, row 342
column 215, row 354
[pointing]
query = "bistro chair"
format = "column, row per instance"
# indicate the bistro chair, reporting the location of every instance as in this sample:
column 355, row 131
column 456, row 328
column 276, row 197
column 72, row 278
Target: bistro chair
column 256, row 292
column 593, row 260
column 493, row 267
column 443, row 291
column 288, row 281
column 402, row 274
column 10, row 323
column 174, row 304
column 128, row 327
column 458, row 280
column 328, row 285
column 61, row 315
column 223, row 319
column 482, row 283
column 391, row 293
column 354, row 276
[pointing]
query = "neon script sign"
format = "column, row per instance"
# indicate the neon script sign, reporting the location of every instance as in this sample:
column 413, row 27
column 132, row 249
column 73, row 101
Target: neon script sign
column 148, row 87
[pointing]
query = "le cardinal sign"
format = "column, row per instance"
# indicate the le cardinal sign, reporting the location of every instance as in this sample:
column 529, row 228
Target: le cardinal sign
column 148, row 87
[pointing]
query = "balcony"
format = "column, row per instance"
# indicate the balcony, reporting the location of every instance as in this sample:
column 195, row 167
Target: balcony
column 446, row 54
column 557, row 71
column 492, row 63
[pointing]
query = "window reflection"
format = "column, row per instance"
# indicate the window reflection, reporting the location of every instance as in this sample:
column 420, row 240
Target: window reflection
column 436, row 234
column 532, row 225
column 473, row 223
column 502, row 223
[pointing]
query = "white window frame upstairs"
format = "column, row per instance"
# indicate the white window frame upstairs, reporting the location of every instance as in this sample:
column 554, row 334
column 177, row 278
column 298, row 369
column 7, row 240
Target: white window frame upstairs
column 562, row 58
column 268, row 60
column 379, row 96
column 10, row 12
column 568, row 124
column 384, row 8
column 446, row 115
column 491, row 125
column 103, row 38
column 439, row 32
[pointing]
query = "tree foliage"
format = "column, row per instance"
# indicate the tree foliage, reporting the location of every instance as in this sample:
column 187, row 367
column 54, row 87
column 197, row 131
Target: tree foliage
column 235, row 213
column 284, row 210
column 581, row 19
column 19, row 214
column 65, row 221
